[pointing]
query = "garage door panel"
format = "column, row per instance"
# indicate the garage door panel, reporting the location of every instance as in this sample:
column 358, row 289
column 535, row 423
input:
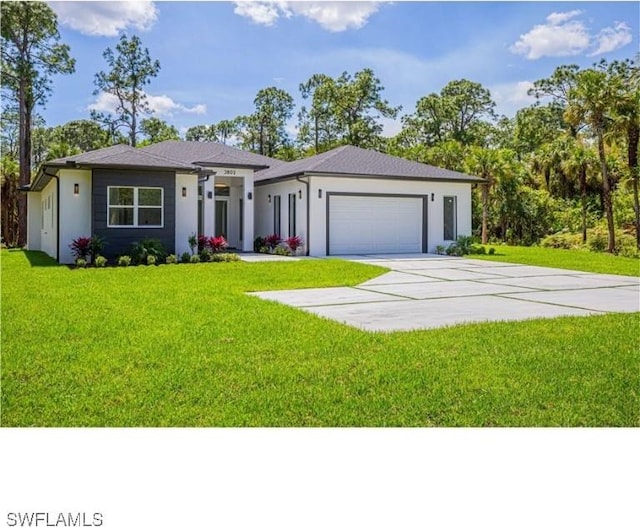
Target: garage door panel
column 375, row 224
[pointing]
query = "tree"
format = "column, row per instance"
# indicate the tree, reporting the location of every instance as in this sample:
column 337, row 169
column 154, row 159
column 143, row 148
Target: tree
column 358, row 105
column 589, row 103
column 345, row 110
column 580, row 159
column 31, row 54
column 226, row 129
column 156, row 130
column 317, row 125
column 264, row 131
column 130, row 70
column 459, row 112
column 489, row 165
column 201, row 132
column 626, row 121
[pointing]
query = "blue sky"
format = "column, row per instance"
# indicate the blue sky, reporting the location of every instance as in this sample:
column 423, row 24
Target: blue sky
column 215, row 56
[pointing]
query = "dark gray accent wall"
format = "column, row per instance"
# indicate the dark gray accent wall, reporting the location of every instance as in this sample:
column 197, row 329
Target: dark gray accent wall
column 119, row 240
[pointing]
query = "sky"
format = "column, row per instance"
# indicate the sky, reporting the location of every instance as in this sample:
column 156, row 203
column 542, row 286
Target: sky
column 215, row 56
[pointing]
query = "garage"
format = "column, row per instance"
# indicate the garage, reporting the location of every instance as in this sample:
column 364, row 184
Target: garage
column 376, row 223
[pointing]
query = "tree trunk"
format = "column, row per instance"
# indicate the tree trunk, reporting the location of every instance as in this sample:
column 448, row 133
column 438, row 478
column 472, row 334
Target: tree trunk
column 583, row 198
column 606, row 194
column 132, row 134
column 633, row 136
column 24, row 158
column 485, row 206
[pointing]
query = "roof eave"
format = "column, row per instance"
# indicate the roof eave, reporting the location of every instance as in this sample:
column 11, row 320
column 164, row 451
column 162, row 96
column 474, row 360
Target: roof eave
column 292, row 175
column 230, row 165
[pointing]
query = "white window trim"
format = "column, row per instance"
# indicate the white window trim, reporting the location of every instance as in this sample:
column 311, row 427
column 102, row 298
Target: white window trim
column 455, row 217
column 135, row 208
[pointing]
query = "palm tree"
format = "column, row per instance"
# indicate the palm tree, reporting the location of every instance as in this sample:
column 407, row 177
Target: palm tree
column 591, row 102
column 488, row 164
column 626, row 122
column 580, row 158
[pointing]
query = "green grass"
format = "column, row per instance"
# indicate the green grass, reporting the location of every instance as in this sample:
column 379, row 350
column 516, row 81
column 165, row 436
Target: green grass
column 565, row 259
column 185, row 346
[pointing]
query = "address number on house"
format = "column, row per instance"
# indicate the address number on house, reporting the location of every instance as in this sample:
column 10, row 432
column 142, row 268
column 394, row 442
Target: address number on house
column 229, row 172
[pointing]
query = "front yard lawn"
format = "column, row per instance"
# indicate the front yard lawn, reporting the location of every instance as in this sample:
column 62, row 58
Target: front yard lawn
column 183, row 345
column 564, row 259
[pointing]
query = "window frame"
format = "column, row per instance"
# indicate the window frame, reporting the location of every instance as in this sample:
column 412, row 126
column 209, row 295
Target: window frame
column 454, row 218
column 292, row 214
column 135, row 207
column 277, row 215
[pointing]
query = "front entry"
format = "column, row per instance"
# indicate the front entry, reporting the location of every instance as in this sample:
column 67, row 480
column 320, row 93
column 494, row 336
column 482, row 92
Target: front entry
column 222, row 218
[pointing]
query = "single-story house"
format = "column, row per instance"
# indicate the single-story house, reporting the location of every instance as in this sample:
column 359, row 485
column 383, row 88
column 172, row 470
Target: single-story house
column 345, row 201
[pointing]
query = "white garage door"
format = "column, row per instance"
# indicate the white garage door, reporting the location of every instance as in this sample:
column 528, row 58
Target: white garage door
column 375, row 224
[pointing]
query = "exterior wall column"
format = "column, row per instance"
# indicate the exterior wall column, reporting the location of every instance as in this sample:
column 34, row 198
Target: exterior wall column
column 209, row 206
column 248, row 200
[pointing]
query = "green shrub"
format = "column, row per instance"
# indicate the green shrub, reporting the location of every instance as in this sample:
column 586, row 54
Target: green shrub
column 151, row 259
column 258, row 244
column 124, row 261
column 185, row 257
column 440, row 249
column 195, row 258
column 100, row 261
column 81, row 262
column 479, row 250
column 562, row 240
column 225, row 257
column 96, row 244
column 492, row 250
column 206, row 255
column 264, row 250
column 282, row 251
column 171, row 259
column 597, row 239
column 148, row 247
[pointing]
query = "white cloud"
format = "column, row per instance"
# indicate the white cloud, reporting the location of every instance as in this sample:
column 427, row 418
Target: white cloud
column 560, row 37
column 162, row 105
column 332, row 16
column 563, row 36
column 264, row 13
column 558, row 18
column 106, row 19
column 612, row 38
column 511, row 96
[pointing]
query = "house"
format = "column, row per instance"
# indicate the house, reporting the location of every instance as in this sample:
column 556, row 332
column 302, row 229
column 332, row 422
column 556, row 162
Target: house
column 345, row 201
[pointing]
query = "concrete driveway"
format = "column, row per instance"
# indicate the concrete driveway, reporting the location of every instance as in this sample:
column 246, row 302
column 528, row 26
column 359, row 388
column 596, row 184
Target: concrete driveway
column 429, row 291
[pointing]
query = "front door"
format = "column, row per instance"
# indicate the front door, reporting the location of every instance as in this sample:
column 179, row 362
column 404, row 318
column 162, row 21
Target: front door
column 222, row 215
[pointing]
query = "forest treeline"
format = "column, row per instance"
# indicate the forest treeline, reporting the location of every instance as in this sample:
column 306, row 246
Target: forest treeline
column 562, row 172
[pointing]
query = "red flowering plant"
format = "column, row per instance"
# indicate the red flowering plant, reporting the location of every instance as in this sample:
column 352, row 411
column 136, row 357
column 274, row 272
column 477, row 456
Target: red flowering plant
column 293, row 242
column 203, row 241
column 80, row 247
column 272, row 241
column 217, row 243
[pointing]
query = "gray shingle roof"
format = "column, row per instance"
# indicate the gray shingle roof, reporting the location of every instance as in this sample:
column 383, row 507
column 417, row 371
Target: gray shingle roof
column 206, row 153
column 121, row 155
column 354, row 161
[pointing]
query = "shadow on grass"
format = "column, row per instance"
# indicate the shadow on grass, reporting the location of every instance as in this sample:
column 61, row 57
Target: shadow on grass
column 40, row 259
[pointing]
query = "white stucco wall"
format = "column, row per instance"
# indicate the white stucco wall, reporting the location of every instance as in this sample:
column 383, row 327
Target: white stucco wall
column 186, row 211
column 34, row 221
column 380, row 186
column 75, row 209
column 264, row 209
column 49, row 229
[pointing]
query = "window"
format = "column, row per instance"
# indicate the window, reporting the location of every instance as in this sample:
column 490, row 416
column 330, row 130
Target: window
column 450, row 215
column 276, row 215
column 292, row 214
column 135, row 207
